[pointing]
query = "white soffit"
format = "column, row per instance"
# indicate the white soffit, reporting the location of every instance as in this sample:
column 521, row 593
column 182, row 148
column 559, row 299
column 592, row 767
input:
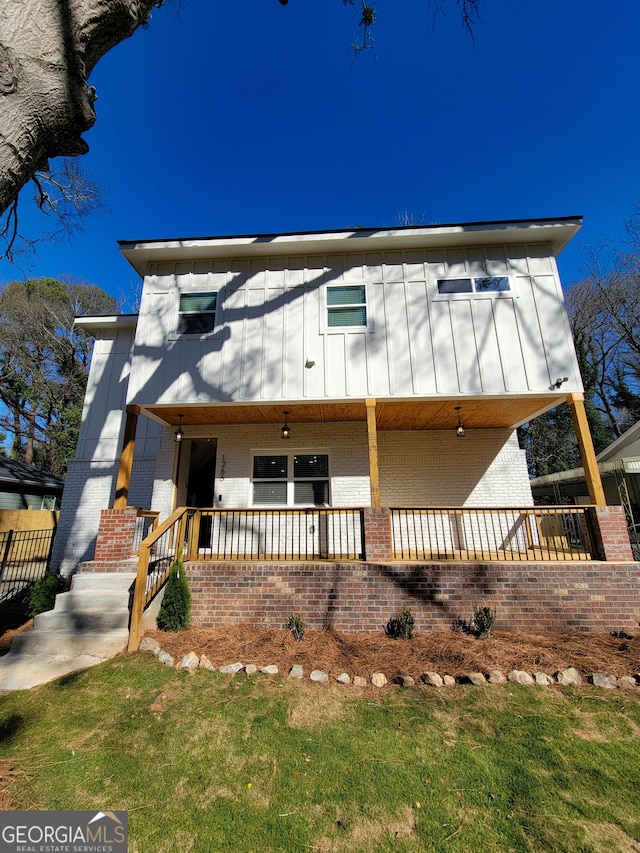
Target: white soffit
column 556, row 232
column 106, row 321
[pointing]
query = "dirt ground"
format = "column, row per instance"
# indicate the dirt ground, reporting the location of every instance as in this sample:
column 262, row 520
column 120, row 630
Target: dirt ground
column 446, row 652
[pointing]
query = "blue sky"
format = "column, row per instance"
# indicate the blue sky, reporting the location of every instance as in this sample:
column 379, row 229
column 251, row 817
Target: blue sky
column 249, row 117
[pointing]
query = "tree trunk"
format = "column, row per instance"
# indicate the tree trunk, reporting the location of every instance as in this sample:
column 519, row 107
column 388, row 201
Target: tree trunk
column 47, row 51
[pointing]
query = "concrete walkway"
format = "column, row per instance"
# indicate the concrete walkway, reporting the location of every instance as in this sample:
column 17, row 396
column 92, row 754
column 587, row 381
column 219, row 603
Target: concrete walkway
column 88, row 625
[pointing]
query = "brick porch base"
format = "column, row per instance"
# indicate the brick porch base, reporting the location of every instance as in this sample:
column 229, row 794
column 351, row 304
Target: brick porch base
column 598, row 597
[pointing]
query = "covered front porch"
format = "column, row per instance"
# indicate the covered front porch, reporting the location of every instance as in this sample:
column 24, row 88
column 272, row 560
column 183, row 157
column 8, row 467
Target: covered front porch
column 458, row 426
column 380, row 531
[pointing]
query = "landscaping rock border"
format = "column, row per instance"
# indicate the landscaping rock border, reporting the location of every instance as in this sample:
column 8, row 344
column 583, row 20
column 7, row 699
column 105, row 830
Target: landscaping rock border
column 564, row 677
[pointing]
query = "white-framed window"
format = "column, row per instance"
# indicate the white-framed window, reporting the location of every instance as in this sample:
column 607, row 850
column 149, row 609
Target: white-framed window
column 473, row 284
column 346, row 305
column 290, row 479
column 197, row 312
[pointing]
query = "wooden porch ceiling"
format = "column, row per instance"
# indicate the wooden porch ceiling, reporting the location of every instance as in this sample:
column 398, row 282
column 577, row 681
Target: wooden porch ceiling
column 485, row 413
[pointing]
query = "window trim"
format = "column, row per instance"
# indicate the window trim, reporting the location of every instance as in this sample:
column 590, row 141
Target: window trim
column 187, row 291
column 290, row 479
column 361, row 327
column 473, row 293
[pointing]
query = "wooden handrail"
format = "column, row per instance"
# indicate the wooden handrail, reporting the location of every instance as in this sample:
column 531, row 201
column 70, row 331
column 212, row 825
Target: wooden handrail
column 179, row 517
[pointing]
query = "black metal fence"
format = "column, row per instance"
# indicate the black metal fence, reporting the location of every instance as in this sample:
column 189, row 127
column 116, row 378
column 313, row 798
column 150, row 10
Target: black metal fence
column 24, row 557
column 475, row 533
column 272, row 534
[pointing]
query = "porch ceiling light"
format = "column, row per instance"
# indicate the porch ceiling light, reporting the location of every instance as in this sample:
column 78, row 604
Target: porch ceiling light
column 178, row 436
column 285, row 432
column 460, row 428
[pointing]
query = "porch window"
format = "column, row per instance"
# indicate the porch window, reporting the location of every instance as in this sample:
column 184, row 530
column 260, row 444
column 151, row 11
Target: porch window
column 347, row 305
column 476, row 284
column 197, row 313
column 295, row 479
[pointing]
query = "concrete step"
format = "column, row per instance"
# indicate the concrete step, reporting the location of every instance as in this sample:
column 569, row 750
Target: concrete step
column 88, row 624
column 83, row 619
column 21, row 671
column 102, row 644
column 92, row 599
column 109, row 580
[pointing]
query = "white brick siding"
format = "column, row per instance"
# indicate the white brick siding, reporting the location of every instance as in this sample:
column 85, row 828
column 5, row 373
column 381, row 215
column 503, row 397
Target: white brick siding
column 88, row 489
column 485, row 468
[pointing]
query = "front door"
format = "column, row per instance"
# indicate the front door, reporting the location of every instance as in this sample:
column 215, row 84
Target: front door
column 201, row 482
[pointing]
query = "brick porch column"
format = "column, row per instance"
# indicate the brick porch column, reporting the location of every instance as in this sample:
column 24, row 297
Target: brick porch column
column 377, row 534
column 610, row 533
column 115, row 534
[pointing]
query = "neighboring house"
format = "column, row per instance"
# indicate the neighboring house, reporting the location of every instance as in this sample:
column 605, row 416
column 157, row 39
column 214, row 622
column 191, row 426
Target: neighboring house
column 371, row 346
column 24, row 487
column 619, row 467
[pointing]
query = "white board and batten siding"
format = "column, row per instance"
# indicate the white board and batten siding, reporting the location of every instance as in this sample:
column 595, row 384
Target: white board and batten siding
column 272, row 340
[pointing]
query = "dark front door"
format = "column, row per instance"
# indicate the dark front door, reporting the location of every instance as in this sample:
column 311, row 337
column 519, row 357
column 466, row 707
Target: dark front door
column 200, row 485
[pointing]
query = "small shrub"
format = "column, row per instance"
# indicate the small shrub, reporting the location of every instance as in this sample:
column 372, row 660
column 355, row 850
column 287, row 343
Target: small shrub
column 461, row 626
column 295, row 624
column 483, row 621
column 42, row 595
column 175, row 610
column 401, row 627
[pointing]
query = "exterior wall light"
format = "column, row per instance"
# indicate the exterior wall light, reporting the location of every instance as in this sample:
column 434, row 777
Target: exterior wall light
column 460, row 428
column 285, row 432
column 178, row 436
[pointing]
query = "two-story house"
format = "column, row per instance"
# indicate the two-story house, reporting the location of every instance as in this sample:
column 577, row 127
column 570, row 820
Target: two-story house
column 276, row 379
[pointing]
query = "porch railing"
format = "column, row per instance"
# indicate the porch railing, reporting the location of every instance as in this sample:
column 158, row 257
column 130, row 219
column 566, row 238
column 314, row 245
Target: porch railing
column 146, row 523
column 274, row 534
column 157, row 552
column 491, row 533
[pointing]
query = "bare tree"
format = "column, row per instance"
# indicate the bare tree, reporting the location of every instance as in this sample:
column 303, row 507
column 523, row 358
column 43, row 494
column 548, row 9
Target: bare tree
column 65, row 196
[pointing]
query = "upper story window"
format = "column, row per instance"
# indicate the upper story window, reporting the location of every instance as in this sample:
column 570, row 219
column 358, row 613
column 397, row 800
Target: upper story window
column 197, row 313
column 346, row 305
column 475, row 284
column 295, row 479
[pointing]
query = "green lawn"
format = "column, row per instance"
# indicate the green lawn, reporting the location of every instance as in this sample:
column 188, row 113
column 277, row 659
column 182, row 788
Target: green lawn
column 207, row 762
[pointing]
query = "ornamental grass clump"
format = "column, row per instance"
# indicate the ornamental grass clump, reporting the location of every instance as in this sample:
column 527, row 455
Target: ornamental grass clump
column 175, row 610
column 401, row 627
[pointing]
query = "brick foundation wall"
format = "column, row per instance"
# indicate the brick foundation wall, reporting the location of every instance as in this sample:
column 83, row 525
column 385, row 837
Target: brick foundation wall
column 598, row 597
column 110, row 567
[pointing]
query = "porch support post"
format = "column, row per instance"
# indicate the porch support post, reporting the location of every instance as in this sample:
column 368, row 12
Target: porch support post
column 587, row 453
column 374, row 473
column 126, row 458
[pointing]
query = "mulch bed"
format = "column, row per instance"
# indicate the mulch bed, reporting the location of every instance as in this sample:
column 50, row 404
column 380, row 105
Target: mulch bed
column 446, row 652
column 7, row 636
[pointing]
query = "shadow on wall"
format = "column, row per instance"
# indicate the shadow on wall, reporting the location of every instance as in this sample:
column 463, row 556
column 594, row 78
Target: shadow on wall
column 75, row 540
